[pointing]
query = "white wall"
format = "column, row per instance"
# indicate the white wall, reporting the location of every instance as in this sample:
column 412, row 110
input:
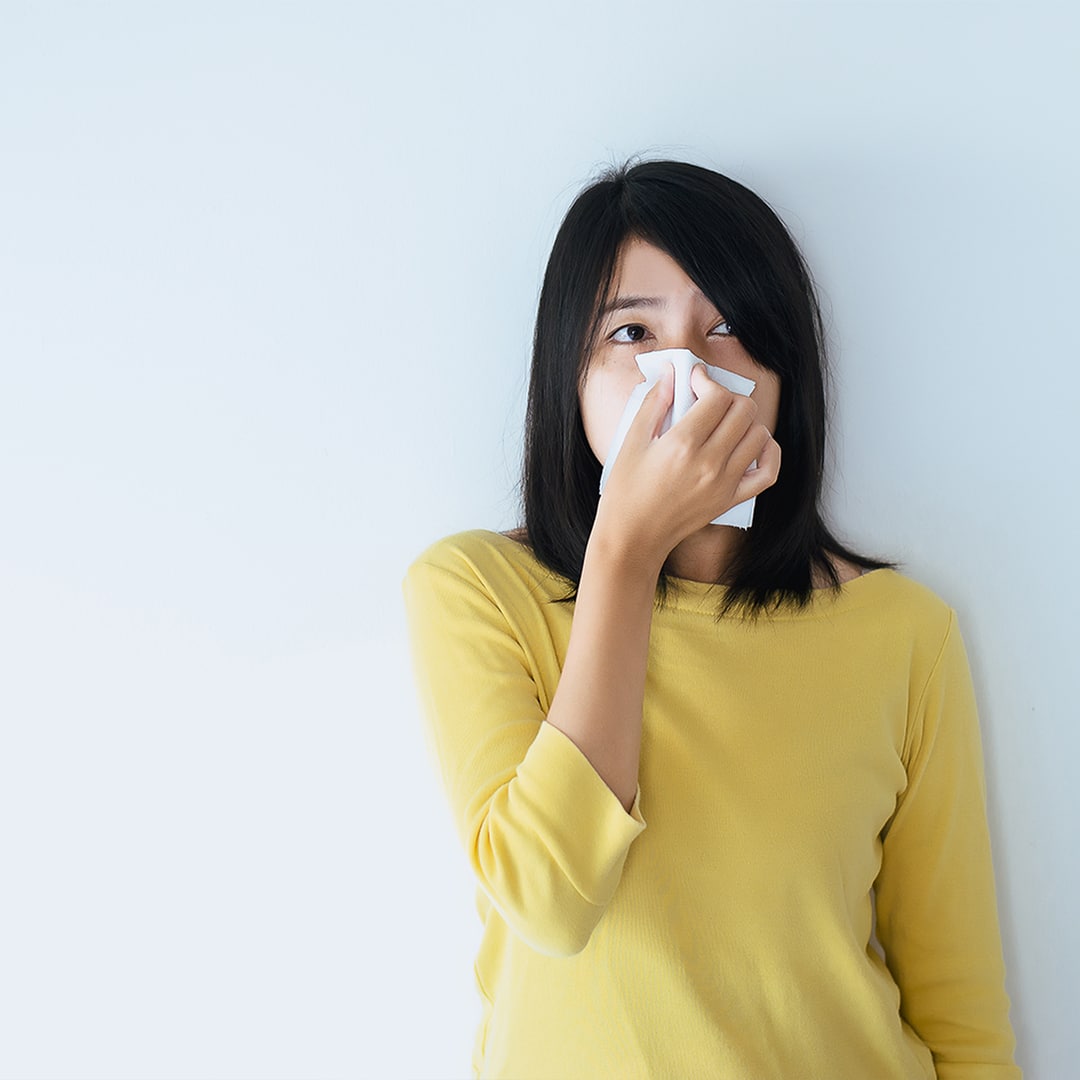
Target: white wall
column 267, row 278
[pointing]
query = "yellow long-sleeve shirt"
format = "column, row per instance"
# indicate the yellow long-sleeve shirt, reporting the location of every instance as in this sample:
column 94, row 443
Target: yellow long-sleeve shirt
column 792, row 770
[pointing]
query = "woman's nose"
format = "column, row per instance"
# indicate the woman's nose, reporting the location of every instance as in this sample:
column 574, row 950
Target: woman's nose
column 691, row 340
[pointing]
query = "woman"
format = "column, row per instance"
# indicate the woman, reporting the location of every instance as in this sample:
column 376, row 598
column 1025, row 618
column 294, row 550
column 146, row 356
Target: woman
column 687, row 760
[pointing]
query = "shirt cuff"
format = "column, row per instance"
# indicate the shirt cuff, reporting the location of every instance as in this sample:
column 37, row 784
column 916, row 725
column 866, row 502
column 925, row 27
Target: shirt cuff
column 579, row 818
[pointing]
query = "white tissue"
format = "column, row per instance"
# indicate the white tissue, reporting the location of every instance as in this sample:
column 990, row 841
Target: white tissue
column 652, row 366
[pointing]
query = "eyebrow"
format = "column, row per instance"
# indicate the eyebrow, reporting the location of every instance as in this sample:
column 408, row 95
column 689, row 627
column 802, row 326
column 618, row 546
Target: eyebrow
column 625, row 303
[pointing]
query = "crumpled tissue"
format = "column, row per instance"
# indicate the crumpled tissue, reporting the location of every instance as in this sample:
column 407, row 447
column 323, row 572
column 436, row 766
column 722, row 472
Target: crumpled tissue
column 652, row 366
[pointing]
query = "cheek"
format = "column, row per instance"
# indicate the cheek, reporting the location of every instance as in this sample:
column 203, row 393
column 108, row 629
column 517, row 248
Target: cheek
column 767, row 396
column 603, row 399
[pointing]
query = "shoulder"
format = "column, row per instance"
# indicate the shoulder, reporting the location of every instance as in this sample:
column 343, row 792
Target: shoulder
column 470, row 553
column 491, row 562
column 906, row 617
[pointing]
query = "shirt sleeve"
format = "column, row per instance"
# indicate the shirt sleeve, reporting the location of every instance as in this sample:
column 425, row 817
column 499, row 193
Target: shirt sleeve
column 544, row 834
column 936, row 904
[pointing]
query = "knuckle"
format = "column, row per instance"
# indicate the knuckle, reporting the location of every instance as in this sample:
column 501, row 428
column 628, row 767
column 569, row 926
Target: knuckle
column 747, row 407
column 683, row 454
column 713, row 390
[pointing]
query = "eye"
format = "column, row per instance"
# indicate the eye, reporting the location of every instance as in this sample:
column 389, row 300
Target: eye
column 721, row 328
column 635, row 332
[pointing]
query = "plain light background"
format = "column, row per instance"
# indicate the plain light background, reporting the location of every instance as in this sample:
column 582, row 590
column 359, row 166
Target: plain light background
column 267, row 280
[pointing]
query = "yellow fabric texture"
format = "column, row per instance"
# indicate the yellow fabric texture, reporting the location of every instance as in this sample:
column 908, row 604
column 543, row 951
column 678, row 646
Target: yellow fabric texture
column 793, row 771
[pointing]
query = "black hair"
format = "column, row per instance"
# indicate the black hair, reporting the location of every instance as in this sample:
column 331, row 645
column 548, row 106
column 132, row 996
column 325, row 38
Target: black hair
column 737, row 251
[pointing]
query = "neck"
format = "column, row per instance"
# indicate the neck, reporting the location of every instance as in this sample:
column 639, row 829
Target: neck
column 706, row 554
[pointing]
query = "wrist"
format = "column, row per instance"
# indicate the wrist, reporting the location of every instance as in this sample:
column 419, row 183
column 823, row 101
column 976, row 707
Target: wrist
column 621, row 553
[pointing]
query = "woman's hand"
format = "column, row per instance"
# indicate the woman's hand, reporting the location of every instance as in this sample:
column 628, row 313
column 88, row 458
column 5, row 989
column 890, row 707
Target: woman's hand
column 660, row 490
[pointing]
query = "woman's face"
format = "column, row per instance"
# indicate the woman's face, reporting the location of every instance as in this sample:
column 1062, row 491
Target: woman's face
column 654, row 305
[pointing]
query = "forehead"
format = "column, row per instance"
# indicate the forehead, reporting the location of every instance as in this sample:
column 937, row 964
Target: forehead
column 642, row 269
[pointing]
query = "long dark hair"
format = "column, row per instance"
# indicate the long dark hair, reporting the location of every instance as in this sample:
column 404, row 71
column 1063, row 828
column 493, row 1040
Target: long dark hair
column 735, row 248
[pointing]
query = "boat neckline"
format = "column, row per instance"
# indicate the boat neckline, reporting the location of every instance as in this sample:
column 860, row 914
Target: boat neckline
column 691, row 595
column 688, row 594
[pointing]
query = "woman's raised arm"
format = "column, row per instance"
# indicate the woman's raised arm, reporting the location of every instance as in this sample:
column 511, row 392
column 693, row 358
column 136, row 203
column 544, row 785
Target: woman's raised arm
column 659, row 492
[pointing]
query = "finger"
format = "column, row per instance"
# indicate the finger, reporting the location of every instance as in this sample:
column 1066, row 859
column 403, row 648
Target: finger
column 654, row 407
column 708, row 410
column 738, row 419
column 699, row 379
column 747, row 446
column 755, row 481
column 707, row 388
